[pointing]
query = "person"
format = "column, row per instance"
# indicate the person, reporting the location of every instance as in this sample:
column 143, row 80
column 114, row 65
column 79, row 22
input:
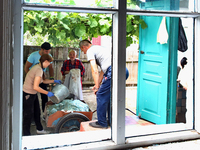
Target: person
column 185, row 78
column 72, row 63
column 182, row 77
column 32, row 60
column 99, row 55
column 30, row 88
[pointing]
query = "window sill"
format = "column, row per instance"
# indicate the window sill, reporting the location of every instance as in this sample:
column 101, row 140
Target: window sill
column 135, row 136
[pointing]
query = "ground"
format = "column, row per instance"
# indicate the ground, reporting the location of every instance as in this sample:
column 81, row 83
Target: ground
column 90, row 98
column 131, row 94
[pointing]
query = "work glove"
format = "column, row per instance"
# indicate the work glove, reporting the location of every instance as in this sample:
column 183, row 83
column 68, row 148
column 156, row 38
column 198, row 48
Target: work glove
column 57, row 81
column 50, row 94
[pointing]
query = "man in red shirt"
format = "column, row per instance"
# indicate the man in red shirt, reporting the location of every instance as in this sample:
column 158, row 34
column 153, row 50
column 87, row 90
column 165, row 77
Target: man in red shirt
column 72, row 63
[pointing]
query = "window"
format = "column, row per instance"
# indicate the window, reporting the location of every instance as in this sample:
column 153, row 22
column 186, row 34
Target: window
column 118, row 88
column 77, row 3
column 162, row 5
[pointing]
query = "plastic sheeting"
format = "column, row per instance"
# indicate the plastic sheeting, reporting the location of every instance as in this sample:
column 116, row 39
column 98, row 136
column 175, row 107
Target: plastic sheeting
column 162, row 35
column 73, row 83
column 68, row 106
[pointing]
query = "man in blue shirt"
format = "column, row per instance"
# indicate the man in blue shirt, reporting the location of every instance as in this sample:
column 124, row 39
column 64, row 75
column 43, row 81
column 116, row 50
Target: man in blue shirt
column 33, row 59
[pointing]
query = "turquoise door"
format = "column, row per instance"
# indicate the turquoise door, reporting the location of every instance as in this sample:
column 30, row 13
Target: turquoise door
column 156, row 92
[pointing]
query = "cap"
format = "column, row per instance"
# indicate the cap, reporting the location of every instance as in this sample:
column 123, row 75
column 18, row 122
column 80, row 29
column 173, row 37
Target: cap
column 46, row 46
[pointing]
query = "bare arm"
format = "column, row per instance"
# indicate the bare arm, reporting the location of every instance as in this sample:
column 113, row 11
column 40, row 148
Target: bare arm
column 95, row 73
column 27, row 66
column 47, row 81
column 101, row 77
column 51, row 70
column 36, row 85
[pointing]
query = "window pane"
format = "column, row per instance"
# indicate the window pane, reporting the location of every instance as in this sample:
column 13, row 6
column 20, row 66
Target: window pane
column 166, row 5
column 79, row 3
column 64, row 32
column 149, row 60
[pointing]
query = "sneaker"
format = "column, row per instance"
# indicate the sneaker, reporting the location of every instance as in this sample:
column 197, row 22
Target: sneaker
column 43, row 118
column 97, row 125
column 33, row 123
column 42, row 132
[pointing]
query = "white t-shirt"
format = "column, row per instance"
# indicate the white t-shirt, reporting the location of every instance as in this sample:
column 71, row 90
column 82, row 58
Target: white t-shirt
column 186, row 79
column 102, row 56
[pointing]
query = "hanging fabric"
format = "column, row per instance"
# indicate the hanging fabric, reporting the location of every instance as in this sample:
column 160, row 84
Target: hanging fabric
column 182, row 39
column 162, row 35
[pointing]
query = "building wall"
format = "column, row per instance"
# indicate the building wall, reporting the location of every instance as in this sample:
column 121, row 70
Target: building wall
column 6, row 71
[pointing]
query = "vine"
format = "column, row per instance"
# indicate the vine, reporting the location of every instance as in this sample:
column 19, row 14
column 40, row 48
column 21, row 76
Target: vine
column 66, row 29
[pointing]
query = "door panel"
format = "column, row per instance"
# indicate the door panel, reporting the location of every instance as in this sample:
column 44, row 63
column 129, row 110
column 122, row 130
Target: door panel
column 154, row 99
column 153, row 73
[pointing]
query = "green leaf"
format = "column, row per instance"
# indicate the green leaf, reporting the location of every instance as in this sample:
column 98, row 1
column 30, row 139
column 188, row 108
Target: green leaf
column 60, row 35
column 30, row 16
column 61, row 15
column 65, row 21
column 80, row 30
column 143, row 24
column 38, row 28
column 103, row 30
column 129, row 26
column 59, row 27
column 129, row 41
column 92, row 22
column 25, row 27
column 66, row 26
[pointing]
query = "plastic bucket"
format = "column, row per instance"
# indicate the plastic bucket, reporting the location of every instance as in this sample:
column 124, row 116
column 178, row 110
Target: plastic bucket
column 60, row 93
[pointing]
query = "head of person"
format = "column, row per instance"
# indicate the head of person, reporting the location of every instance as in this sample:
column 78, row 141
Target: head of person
column 85, row 45
column 183, row 62
column 127, row 73
column 46, row 48
column 45, row 60
column 72, row 55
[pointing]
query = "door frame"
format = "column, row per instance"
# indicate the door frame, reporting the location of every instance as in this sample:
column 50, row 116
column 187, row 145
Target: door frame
column 16, row 95
column 172, row 77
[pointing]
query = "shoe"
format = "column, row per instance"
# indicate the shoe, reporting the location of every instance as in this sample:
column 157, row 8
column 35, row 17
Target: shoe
column 33, row 123
column 42, row 132
column 43, row 118
column 97, row 125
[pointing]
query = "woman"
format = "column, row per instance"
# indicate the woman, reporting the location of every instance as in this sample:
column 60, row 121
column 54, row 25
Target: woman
column 31, row 107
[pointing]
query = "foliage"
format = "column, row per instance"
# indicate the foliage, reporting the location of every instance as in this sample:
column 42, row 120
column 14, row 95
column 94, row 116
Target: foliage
column 66, row 29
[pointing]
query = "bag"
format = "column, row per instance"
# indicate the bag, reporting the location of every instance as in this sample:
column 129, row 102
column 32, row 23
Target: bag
column 162, row 35
column 182, row 40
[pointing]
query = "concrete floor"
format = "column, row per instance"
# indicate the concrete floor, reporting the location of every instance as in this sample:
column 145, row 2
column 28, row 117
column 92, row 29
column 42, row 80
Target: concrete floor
column 186, row 145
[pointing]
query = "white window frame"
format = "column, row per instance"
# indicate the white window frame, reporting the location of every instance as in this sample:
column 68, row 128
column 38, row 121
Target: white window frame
column 118, row 86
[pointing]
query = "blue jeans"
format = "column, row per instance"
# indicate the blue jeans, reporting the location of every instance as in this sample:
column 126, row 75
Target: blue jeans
column 103, row 99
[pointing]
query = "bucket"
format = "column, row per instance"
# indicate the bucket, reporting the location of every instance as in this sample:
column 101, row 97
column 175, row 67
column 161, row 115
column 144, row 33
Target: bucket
column 60, row 93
